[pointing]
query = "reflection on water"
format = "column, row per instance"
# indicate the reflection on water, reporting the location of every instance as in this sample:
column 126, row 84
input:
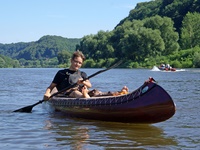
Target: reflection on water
column 80, row 133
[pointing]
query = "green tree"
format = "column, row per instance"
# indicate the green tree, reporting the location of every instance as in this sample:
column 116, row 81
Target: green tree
column 190, row 32
column 121, row 34
column 88, row 46
column 145, row 42
column 97, row 46
column 166, row 26
column 197, row 59
column 64, row 57
column 104, row 49
column 2, row 63
column 7, row 62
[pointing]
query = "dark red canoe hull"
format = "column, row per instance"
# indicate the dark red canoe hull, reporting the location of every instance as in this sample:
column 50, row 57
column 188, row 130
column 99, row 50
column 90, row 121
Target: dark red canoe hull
column 148, row 104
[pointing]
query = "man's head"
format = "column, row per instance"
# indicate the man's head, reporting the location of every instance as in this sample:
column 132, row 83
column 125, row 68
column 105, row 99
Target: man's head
column 77, row 60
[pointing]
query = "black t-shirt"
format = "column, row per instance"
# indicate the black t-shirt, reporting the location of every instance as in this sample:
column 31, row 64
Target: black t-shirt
column 61, row 78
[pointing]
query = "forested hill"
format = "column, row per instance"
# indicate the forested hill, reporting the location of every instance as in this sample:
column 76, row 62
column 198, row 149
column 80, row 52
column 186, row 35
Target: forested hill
column 41, row 53
column 174, row 9
column 154, row 32
column 45, row 47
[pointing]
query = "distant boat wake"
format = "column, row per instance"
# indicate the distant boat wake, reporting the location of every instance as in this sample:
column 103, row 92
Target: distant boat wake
column 155, row 68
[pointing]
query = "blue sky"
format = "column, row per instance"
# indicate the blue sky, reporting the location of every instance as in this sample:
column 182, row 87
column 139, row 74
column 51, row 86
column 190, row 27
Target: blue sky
column 29, row 20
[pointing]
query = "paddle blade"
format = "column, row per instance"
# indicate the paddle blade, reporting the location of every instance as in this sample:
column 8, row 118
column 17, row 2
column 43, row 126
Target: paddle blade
column 26, row 109
column 29, row 108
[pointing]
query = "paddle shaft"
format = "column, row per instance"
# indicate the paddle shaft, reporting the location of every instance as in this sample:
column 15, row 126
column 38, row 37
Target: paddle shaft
column 29, row 108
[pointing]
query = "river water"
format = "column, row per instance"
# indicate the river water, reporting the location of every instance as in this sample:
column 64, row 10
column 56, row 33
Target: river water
column 42, row 129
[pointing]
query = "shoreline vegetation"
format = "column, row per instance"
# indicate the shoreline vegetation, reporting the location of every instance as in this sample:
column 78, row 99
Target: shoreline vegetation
column 168, row 34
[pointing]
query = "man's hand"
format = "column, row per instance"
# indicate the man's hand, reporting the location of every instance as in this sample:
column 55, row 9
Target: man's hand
column 46, row 96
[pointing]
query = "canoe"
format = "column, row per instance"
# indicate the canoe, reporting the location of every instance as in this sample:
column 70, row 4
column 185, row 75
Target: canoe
column 148, row 104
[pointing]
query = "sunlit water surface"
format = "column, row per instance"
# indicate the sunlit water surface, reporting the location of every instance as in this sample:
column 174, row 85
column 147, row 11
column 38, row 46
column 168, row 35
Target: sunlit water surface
column 44, row 130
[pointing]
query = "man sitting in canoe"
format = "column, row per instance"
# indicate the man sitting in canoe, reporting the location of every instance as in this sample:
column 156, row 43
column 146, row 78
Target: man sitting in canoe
column 67, row 77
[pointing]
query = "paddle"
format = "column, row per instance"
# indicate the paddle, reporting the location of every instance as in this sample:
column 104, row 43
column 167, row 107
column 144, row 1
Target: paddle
column 29, row 108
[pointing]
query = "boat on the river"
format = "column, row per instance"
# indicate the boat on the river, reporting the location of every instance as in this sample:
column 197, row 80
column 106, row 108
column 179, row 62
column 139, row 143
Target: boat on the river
column 150, row 103
column 166, row 67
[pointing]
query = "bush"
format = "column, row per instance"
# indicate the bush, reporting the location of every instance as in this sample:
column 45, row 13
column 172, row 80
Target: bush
column 134, row 65
column 89, row 63
column 176, row 64
column 196, row 60
column 187, row 64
